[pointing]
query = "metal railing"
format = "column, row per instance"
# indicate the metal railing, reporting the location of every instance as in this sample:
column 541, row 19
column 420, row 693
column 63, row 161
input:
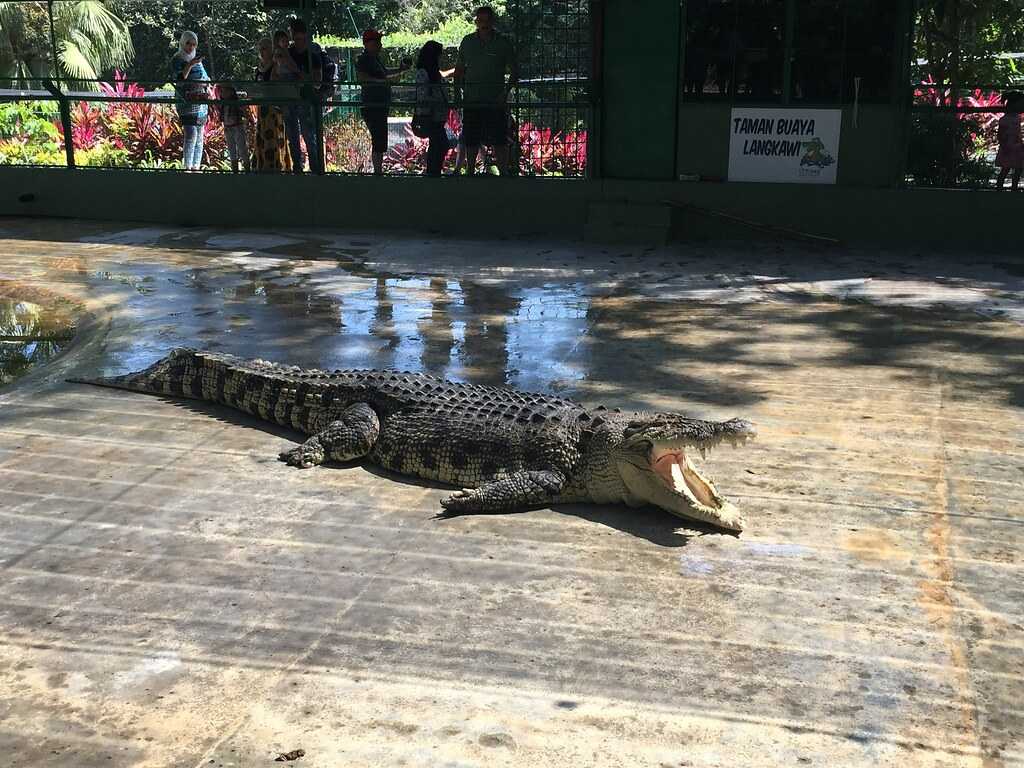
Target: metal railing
column 125, row 124
column 953, row 135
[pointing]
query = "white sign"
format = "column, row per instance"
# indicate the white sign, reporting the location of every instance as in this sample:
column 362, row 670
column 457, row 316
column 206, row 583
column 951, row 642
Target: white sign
column 788, row 145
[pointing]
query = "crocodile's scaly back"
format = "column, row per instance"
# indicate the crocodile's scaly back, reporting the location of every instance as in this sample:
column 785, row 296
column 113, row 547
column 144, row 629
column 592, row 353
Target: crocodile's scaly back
column 305, row 399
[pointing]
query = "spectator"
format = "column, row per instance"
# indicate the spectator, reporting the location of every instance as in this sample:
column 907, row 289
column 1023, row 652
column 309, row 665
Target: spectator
column 300, row 119
column 431, row 110
column 484, row 58
column 456, row 142
column 271, row 149
column 328, row 66
column 190, row 78
column 1010, row 156
column 376, row 81
column 234, row 116
column 285, row 68
column 298, row 26
column 454, row 130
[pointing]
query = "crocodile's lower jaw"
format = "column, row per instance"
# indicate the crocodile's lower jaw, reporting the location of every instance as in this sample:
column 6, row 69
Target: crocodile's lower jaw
column 674, row 468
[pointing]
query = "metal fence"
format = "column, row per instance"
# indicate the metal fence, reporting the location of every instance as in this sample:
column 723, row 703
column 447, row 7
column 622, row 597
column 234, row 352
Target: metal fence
column 120, row 122
column 953, row 136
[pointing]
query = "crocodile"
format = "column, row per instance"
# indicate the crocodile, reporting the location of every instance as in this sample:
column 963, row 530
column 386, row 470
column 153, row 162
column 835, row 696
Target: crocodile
column 506, row 450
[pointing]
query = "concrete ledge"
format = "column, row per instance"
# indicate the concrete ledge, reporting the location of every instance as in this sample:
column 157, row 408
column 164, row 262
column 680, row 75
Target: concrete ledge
column 862, row 216
column 481, row 205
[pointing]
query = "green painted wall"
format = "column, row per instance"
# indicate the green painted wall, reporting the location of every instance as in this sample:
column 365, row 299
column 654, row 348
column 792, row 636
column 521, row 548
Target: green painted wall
column 704, row 140
column 512, row 208
column 641, row 81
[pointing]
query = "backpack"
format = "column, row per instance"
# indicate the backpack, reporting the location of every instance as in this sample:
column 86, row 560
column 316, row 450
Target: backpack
column 330, row 75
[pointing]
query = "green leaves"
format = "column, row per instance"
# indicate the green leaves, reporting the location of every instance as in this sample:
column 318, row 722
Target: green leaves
column 449, row 34
column 90, row 39
column 960, row 41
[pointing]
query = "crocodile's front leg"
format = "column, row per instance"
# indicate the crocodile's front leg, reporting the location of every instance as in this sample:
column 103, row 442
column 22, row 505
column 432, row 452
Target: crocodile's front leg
column 515, row 491
column 351, row 436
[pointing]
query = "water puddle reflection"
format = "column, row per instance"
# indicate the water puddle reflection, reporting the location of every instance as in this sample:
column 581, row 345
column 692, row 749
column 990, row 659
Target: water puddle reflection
column 339, row 314
column 34, row 328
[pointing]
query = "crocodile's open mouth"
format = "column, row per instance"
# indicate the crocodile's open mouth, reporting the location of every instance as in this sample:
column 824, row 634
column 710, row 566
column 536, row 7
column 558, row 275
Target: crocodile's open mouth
column 681, row 477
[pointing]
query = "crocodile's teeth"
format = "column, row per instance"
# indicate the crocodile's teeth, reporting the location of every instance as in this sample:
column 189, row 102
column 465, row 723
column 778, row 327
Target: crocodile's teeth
column 678, row 479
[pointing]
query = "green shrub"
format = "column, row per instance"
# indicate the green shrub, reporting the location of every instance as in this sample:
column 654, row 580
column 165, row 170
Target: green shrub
column 449, row 34
column 33, row 120
column 15, row 152
column 947, row 150
column 103, row 155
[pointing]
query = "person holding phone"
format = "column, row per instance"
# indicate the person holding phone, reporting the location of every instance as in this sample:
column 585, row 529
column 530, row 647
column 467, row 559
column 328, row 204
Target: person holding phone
column 189, row 77
column 431, row 112
column 375, row 80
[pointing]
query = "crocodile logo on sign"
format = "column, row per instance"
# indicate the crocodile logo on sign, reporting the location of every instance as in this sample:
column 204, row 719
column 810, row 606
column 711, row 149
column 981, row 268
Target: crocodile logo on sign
column 815, row 155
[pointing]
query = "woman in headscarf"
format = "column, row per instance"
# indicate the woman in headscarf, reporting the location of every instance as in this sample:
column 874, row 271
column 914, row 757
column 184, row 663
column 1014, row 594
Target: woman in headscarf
column 271, row 150
column 190, row 78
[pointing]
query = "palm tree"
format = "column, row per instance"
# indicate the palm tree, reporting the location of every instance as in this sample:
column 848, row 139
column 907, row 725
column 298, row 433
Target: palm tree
column 90, row 40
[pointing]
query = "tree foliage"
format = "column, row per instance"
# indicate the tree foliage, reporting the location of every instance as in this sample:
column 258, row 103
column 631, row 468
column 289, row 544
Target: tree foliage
column 414, row 16
column 91, row 39
column 228, row 32
column 959, row 42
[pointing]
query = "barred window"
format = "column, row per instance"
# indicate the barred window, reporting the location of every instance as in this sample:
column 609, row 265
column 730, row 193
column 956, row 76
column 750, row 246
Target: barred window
column 806, row 51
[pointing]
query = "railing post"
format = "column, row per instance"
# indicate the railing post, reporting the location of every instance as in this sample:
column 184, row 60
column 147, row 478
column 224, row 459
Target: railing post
column 62, row 102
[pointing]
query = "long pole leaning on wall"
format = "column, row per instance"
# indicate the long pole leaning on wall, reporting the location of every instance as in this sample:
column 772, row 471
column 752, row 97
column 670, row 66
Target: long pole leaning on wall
column 788, row 34
column 596, row 87
column 308, row 14
column 901, row 100
column 55, row 88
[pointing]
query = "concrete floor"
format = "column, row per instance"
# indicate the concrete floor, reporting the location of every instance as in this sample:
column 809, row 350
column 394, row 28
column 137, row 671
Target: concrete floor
column 171, row 595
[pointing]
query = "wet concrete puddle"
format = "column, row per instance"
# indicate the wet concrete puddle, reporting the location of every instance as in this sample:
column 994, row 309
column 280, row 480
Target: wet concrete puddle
column 35, row 327
column 153, row 552
column 334, row 313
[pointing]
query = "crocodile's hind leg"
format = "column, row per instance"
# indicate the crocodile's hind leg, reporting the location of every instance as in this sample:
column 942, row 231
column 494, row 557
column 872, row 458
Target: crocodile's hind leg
column 351, row 436
column 515, row 491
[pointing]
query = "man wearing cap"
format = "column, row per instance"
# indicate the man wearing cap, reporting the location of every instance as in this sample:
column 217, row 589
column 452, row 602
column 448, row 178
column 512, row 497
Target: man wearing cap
column 484, row 58
column 376, row 81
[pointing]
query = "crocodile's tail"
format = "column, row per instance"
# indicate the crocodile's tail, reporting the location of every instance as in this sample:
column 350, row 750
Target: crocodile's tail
column 257, row 387
column 180, row 374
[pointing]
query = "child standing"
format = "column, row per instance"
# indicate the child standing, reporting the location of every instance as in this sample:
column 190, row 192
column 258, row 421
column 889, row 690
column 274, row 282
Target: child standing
column 235, row 128
column 1011, row 149
column 285, row 67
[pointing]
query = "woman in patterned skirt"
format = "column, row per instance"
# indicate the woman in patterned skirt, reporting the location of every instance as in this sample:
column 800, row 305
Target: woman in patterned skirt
column 270, row 152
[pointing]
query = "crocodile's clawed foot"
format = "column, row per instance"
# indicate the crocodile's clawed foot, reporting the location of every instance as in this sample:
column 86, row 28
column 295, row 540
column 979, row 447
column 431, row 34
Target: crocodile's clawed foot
column 466, row 501
column 303, row 456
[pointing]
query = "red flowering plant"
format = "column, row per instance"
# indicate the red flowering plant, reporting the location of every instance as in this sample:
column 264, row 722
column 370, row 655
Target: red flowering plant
column 136, row 132
column 85, row 126
column 346, row 145
column 544, row 152
column 970, row 127
column 407, row 156
column 541, row 151
column 984, row 122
